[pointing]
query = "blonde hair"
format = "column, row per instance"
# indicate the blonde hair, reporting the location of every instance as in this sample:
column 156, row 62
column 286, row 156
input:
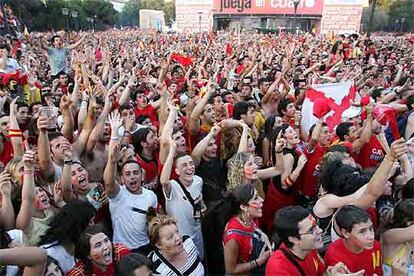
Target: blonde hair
column 235, row 169
column 155, row 226
column 12, row 166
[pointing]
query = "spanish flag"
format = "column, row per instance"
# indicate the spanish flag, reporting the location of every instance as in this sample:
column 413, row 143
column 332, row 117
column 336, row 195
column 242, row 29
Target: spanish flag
column 18, row 85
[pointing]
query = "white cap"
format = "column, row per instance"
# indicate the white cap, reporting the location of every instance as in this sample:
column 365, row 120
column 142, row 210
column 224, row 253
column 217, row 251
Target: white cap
column 351, row 112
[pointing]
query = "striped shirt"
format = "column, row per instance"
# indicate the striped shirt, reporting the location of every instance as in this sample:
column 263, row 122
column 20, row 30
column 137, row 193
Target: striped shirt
column 193, row 267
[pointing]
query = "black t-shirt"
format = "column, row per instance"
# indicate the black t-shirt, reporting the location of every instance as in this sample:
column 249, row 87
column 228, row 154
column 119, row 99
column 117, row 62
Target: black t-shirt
column 214, row 174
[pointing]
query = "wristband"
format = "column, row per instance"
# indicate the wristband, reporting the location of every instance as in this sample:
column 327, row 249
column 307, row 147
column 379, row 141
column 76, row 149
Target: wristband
column 68, row 162
column 127, row 133
column 27, row 171
column 288, row 181
column 280, row 151
column 15, row 133
column 257, row 265
column 114, row 138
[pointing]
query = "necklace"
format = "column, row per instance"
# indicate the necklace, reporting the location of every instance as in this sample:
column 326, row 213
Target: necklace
column 245, row 222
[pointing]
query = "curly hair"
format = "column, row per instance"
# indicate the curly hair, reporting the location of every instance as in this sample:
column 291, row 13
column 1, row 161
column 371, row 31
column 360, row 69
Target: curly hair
column 235, row 165
column 68, row 224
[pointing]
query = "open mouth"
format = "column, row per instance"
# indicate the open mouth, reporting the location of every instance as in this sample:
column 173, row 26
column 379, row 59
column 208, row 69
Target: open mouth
column 82, row 181
column 107, row 256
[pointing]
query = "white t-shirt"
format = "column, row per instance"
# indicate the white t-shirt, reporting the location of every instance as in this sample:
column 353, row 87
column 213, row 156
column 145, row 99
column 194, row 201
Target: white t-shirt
column 179, row 207
column 58, row 252
column 193, row 266
column 129, row 216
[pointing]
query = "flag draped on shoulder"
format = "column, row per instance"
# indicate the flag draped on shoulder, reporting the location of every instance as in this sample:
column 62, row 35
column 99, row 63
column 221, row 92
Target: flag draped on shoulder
column 327, row 101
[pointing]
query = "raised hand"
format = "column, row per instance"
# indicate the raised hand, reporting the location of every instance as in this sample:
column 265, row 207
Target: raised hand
column 65, row 102
column 280, row 143
column 13, row 107
column 215, row 130
column 29, row 159
column 398, row 148
column 115, row 121
column 5, row 184
column 302, row 161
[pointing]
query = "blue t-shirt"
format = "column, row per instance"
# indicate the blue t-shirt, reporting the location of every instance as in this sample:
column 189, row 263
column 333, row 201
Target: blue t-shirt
column 11, row 67
column 58, row 59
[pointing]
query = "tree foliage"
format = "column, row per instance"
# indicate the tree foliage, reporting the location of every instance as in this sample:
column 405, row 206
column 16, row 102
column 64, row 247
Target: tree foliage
column 389, row 14
column 47, row 15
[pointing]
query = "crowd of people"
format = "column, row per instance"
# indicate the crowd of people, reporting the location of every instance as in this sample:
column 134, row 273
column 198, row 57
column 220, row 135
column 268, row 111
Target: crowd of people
column 129, row 152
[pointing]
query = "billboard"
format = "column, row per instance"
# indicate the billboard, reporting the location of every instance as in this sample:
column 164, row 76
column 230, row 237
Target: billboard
column 151, row 19
column 308, row 7
column 193, row 15
column 342, row 16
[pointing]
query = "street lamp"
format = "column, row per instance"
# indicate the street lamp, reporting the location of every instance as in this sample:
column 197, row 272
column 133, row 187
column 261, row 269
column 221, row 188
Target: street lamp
column 295, row 4
column 89, row 20
column 200, row 13
column 94, row 21
column 402, row 24
column 396, row 24
column 65, row 13
column 74, row 16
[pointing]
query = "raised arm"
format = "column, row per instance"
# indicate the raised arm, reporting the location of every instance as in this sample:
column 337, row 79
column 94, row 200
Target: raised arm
column 243, row 139
column 194, row 124
column 15, row 133
column 99, row 125
column 66, row 178
column 279, row 167
column 167, row 132
column 166, row 170
column 125, row 96
column 110, row 172
column 80, row 143
column 201, row 147
column 375, row 187
column 33, row 259
column 47, row 169
column 24, row 218
column 68, row 120
column 366, row 131
column 398, row 235
column 77, row 43
column 7, row 218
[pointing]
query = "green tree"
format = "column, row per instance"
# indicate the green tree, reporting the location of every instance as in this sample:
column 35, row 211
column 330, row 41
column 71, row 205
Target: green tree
column 169, row 12
column 30, row 12
column 103, row 13
column 402, row 10
column 130, row 13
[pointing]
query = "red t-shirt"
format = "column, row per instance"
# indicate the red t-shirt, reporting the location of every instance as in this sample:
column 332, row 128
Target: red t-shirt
column 371, row 153
column 7, row 154
column 173, row 174
column 149, row 166
column 148, row 111
column 370, row 259
column 279, row 264
column 119, row 252
column 308, row 178
column 244, row 241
